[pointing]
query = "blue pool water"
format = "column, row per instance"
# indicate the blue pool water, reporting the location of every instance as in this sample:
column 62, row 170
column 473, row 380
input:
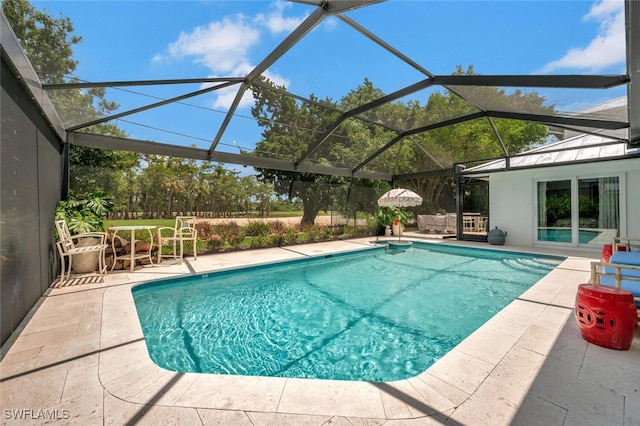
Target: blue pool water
column 563, row 235
column 376, row 315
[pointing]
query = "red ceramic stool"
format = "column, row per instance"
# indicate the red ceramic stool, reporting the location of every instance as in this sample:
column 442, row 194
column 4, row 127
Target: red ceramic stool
column 607, row 251
column 606, row 316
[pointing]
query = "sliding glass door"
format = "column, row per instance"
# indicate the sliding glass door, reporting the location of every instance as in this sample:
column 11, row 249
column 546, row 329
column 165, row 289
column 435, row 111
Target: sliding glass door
column 599, row 211
column 578, row 211
column 554, row 211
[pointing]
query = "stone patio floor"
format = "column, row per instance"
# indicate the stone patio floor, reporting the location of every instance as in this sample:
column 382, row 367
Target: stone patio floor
column 80, row 358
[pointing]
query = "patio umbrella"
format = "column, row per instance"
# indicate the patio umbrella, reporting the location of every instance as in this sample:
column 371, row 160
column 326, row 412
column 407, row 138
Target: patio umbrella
column 399, row 197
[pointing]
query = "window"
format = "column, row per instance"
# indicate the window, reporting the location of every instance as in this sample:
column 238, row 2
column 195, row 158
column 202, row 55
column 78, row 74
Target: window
column 578, row 211
column 598, row 201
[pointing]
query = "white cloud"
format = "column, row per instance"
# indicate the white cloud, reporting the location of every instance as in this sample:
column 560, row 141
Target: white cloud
column 330, row 23
column 606, row 49
column 224, row 97
column 276, row 22
column 224, row 47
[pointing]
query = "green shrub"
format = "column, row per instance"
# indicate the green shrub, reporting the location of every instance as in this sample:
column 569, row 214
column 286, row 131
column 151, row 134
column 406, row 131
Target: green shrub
column 214, row 242
column 235, row 240
column 291, row 235
column 278, row 227
column 257, row 229
column 205, row 230
column 261, row 241
column 227, row 229
column 314, row 232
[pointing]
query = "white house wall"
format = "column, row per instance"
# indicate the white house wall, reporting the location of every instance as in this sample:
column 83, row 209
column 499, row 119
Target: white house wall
column 633, row 200
column 512, row 196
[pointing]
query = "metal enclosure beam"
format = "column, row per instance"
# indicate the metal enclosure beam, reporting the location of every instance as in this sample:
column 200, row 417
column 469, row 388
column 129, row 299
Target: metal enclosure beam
column 296, row 35
column 133, row 145
column 324, row 8
column 401, row 136
column 371, row 36
column 17, row 60
column 87, row 84
column 150, row 106
column 556, row 81
column 632, row 12
column 570, row 121
column 338, row 6
column 363, row 108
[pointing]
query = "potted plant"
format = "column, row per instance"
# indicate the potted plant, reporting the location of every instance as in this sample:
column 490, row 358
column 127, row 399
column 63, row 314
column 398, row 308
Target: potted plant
column 85, row 215
column 385, row 216
column 400, row 219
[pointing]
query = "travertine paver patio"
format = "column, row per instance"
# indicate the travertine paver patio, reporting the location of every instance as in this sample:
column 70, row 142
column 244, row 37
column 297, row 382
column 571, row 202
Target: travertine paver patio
column 80, row 358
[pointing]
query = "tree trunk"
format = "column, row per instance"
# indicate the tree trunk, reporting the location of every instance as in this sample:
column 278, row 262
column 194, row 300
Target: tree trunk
column 168, row 212
column 310, row 209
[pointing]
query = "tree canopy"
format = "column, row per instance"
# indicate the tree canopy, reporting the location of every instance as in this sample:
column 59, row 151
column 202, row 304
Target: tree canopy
column 291, row 127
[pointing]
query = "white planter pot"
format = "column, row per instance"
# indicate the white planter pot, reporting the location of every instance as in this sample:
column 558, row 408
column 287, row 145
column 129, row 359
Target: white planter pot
column 397, row 229
column 387, row 231
column 86, row 262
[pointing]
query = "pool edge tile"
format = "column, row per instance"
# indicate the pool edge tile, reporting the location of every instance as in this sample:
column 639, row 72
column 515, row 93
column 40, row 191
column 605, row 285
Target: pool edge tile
column 335, row 397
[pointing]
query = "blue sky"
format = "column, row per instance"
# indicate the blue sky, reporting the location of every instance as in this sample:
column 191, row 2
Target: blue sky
column 148, row 40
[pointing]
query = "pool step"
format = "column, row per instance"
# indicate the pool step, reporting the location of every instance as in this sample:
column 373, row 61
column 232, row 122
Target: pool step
column 527, row 264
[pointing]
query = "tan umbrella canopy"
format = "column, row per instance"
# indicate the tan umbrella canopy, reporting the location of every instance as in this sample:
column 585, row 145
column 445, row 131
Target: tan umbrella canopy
column 399, row 197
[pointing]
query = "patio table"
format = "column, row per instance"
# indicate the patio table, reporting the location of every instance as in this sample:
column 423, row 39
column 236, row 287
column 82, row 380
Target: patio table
column 132, row 256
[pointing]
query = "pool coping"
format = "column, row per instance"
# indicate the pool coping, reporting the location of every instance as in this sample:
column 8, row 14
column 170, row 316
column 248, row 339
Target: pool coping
column 128, row 373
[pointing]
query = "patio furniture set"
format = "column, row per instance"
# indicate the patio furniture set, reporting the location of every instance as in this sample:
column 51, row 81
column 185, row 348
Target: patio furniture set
column 607, row 308
column 95, row 245
column 471, row 222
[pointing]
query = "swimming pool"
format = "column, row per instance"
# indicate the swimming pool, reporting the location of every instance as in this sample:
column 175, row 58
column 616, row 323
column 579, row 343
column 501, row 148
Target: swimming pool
column 375, row 315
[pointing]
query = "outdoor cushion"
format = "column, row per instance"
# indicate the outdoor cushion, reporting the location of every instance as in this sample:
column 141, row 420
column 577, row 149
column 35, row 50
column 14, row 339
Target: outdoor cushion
column 624, row 258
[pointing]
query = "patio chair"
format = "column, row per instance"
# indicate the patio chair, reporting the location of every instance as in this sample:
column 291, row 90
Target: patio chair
column 622, row 271
column 183, row 230
column 468, row 224
column 624, row 243
column 70, row 246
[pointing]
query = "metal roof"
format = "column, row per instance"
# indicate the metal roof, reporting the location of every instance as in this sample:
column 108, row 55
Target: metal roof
column 573, row 149
column 578, row 149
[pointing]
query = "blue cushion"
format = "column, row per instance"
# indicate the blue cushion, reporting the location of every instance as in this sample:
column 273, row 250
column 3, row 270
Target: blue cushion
column 624, row 258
